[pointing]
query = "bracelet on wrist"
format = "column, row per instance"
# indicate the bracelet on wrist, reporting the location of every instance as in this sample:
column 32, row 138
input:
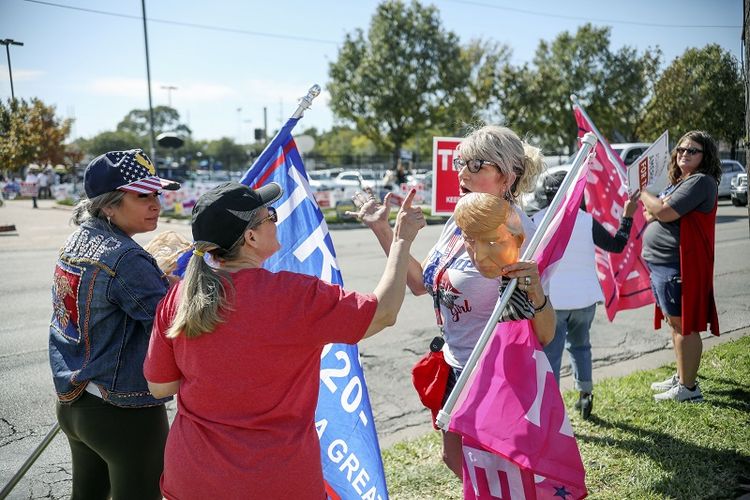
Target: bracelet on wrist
column 541, row 308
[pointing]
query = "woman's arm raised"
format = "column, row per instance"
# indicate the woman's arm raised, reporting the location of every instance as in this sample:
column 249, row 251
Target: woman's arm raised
column 375, row 216
column 391, row 289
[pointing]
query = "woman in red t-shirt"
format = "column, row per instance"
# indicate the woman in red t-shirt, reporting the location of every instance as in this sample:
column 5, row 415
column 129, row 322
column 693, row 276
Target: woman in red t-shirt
column 241, row 348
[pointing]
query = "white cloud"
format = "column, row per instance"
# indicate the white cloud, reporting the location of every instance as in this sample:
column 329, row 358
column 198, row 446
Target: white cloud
column 27, row 75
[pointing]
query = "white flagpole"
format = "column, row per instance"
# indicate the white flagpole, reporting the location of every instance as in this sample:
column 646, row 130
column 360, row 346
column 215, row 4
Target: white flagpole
column 443, row 419
column 600, row 138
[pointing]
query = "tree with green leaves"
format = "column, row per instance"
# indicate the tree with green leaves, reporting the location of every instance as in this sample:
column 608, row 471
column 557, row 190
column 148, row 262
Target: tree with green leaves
column 399, row 78
column 166, row 119
column 482, row 63
column 232, row 155
column 32, row 133
column 702, row 89
column 341, row 145
column 113, row 140
column 612, row 85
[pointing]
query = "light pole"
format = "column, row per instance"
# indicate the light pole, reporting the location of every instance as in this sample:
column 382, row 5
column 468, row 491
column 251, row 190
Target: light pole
column 8, row 42
column 169, row 89
column 239, row 125
column 148, row 78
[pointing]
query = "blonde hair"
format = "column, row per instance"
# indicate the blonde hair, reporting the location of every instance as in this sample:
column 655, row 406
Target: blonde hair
column 204, row 296
column 478, row 213
column 503, row 147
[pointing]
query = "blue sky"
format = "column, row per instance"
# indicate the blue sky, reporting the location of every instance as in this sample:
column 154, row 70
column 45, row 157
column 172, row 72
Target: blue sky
column 92, row 67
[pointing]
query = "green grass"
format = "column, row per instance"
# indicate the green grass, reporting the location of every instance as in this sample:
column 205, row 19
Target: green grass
column 632, row 447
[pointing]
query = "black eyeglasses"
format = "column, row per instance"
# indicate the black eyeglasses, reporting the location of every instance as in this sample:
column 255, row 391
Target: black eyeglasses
column 474, row 166
column 272, row 216
column 689, row 151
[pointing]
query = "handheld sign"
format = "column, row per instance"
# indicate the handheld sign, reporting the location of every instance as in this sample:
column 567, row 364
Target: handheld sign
column 649, row 171
column 445, row 190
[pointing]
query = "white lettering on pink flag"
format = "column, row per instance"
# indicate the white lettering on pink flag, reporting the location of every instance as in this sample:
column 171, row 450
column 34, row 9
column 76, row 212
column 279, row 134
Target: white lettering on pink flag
column 500, row 474
column 624, row 277
column 534, row 414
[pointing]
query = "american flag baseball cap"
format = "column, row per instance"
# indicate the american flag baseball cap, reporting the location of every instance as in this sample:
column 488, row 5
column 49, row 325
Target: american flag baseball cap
column 128, row 170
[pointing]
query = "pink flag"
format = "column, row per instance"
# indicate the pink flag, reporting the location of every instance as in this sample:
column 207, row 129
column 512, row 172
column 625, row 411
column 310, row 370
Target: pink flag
column 517, row 440
column 624, row 277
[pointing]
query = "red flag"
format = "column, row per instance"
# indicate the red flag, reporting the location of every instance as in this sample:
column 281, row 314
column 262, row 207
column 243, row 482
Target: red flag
column 624, row 277
column 517, row 440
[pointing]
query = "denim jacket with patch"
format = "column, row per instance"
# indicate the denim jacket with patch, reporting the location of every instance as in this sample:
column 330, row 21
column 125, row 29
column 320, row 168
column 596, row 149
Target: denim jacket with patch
column 105, row 291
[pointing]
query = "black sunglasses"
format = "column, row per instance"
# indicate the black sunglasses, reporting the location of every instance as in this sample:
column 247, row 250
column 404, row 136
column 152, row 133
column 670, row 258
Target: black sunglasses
column 272, row 216
column 474, row 166
column 689, row 151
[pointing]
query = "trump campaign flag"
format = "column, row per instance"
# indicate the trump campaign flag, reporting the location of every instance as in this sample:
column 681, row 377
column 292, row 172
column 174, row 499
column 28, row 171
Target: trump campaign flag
column 624, row 277
column 350, row 453
column 517, row 440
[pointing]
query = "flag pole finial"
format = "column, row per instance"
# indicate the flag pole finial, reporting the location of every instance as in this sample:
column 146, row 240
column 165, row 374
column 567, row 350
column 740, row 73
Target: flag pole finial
column 306, row 102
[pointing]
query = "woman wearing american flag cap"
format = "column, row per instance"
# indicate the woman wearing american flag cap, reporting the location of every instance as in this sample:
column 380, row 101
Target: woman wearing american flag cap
column 105, row 291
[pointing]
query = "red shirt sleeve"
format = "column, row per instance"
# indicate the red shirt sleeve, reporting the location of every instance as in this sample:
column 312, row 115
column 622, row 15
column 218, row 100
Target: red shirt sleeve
column 160, row 365
column 335, row 315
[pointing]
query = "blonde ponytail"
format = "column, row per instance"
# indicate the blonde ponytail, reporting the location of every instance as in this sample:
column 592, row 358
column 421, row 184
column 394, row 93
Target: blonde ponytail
column 533, row 165
column 203, row 296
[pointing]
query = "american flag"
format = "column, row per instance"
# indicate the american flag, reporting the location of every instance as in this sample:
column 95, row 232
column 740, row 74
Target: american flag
column 137, row 171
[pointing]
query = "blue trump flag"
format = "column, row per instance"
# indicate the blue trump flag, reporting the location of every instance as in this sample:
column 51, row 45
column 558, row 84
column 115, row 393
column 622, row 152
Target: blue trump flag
column 349, row 449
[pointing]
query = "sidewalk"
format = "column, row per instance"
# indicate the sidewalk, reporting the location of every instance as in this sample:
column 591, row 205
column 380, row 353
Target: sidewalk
column 652, row 360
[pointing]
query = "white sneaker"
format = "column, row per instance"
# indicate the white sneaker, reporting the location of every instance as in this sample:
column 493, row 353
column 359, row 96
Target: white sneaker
column 667, row 384
column 681, row 394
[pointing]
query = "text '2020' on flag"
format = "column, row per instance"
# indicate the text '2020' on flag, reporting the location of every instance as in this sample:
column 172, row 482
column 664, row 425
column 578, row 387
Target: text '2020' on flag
column 517, row 440
column 352, row 465
column 624, row 276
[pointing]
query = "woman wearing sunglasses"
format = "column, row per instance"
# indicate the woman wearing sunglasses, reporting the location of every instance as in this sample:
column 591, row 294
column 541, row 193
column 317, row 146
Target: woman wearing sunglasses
column 678, row 246
column 241, row 348
column 490, row 160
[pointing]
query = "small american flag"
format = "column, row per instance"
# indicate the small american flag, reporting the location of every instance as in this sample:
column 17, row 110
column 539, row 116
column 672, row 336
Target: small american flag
column 137, row 170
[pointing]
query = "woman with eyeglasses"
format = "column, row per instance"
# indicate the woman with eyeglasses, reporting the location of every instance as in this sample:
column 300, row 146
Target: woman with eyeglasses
column 491, row 160
column 678, row 246
column 241, row 348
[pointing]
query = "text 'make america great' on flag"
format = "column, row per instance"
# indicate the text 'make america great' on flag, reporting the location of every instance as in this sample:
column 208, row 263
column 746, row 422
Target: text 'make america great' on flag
column 350, row 453
column 517, row 440
column 624, row 276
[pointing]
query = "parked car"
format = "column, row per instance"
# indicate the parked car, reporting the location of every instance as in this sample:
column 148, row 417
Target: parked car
column 730, row 169
column 738, row 193
column 359, row 178
column 537, row 199
column 630, row 151
column 321, row 180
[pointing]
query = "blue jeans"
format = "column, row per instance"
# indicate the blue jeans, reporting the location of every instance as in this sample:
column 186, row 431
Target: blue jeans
column 572, row 333
column 667, row 287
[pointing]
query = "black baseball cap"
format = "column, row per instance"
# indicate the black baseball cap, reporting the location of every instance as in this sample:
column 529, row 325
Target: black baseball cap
column 129, row 170
column 221, row 215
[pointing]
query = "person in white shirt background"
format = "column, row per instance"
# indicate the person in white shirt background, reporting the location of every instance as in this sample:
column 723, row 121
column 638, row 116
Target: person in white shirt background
column 575, row 305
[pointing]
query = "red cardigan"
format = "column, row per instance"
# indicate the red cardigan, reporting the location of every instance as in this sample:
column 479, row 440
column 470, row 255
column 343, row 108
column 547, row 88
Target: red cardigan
column 697, row 235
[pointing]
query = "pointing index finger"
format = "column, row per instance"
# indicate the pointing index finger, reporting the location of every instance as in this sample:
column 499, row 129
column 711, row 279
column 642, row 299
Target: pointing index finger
column 409, row 197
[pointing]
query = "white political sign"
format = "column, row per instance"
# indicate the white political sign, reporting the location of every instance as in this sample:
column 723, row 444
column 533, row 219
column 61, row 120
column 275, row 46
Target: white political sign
column 649, row 171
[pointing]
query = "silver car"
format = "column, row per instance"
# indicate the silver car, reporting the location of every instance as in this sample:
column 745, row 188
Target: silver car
column 730, row 169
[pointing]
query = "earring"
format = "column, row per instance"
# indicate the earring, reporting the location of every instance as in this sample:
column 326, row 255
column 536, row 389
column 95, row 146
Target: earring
column 508, row 196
